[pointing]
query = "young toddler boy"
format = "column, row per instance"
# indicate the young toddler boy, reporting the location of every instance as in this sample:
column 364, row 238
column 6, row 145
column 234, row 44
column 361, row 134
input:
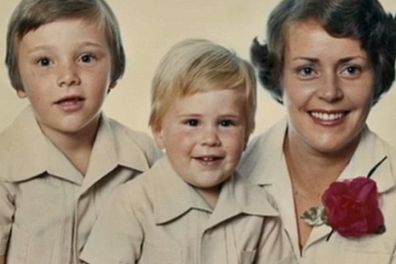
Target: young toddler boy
column 61, row 158
column 191, row 206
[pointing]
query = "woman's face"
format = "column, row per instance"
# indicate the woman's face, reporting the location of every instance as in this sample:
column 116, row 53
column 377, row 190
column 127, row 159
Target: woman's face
column 328, row 88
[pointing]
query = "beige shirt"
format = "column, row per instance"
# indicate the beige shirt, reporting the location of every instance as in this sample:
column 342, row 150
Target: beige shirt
column 159, row 218
column 47, row 208
column 264, row 163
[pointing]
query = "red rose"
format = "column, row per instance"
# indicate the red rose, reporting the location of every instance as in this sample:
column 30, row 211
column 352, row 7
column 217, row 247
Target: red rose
column 352, row 207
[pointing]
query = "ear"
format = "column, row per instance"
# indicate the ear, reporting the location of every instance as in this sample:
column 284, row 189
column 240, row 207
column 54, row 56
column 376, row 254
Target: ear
column 246, row 141
column 21, row 94
column 111, row 86
column 158, row 135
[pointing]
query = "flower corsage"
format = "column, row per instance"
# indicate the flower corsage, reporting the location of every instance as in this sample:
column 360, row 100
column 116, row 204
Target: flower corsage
column 350, row 208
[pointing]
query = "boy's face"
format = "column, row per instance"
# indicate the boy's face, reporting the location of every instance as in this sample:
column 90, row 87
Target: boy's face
column 204, row 136
column 65, row 68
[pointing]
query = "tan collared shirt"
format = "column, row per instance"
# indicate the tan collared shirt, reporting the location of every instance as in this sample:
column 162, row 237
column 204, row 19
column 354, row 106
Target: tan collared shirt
column 47, row 208
column 264, row 163
column 159, row 218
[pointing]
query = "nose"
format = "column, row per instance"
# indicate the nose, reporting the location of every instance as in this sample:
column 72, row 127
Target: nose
column 68, row 75
column 330, row 89
column 210, row 137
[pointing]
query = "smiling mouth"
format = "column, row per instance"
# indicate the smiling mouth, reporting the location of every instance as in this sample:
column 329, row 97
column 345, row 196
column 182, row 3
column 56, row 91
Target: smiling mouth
column 328, row 117
column 209, row 160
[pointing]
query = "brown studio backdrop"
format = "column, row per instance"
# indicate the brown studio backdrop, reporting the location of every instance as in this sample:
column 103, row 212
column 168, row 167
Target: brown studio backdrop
column 150, row 27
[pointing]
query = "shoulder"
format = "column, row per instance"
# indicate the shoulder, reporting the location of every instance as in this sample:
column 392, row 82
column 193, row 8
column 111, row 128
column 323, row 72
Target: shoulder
column 253, row 198
column 7, row 143
column 13, row 147
column 263, row 148
column 270, row 140
column 143, row 141
column 19, row 137
column 120, row 129
column 391, row 153
column 138, row 192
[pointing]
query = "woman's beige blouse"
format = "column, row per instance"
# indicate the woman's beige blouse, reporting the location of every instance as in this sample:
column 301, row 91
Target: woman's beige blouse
column 265, row 165
column 47, row 208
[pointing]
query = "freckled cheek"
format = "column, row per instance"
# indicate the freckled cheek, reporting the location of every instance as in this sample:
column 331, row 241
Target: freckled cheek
column 31, row 77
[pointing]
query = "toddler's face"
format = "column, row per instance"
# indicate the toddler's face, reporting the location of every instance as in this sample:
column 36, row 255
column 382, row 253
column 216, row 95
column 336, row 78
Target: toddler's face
column 65, row 68
column 204, row 136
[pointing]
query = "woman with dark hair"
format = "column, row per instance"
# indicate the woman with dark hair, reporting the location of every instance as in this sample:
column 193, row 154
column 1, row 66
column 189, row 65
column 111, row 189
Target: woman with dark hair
column 333, row 180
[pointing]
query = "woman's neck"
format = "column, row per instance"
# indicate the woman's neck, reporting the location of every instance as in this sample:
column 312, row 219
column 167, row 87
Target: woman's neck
column 311, row 172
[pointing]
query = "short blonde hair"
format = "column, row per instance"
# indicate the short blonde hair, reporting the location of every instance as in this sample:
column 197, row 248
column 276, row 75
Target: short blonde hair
column 197, row 65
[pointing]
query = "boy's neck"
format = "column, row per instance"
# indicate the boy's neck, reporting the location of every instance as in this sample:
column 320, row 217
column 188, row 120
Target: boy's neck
column 77, row 146
column 210, row 195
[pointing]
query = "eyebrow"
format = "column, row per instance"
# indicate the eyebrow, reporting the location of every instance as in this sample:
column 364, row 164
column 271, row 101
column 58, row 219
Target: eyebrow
column 82, row 44
column 342, row 60
column 306, row 58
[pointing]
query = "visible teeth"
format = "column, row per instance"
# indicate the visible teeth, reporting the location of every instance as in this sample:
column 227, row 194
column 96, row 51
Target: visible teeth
column 327, row 116
column 207, row 159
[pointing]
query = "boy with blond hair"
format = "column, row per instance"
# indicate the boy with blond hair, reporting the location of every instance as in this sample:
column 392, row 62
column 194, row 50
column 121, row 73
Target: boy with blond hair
column 192, row 207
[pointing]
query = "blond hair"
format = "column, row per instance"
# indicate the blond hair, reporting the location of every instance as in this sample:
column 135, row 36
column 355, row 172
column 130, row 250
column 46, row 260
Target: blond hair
column 197, row 65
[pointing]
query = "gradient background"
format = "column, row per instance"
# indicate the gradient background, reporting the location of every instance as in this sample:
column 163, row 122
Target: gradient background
column 150, row 27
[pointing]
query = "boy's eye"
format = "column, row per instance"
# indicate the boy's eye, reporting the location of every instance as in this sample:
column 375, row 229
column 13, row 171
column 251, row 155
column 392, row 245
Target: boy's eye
column 43, row 61
column 87, row 58
column 191, row 122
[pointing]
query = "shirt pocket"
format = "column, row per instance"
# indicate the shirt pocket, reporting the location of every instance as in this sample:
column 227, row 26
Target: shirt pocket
column 18, row 247
column 29, row 248
column 156, row 254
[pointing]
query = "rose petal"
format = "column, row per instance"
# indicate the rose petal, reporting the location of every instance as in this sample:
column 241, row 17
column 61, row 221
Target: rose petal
column 352, row 207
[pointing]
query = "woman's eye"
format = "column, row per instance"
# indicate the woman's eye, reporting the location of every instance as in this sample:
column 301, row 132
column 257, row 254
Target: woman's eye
column 306, row 71
column 352, row 70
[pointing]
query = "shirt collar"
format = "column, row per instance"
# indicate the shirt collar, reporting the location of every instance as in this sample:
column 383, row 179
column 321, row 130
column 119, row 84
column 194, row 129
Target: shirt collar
column 173, row 197
column 371, row 150
column 114, row 146
column 22, row 145
column 30, row 153
column 268, row 167
column 264, row 163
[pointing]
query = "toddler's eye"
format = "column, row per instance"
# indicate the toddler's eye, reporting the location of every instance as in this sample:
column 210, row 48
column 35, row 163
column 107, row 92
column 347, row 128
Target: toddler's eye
column 191, row 122
column 227, row 123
